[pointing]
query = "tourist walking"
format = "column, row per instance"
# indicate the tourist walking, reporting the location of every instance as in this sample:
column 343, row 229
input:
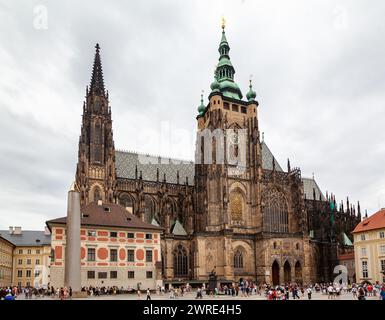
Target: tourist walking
column 148, row 294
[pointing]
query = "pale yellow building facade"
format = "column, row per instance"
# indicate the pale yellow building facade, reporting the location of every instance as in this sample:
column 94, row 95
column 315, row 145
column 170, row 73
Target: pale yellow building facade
column 369, row 249
column 6, row 251
column 29, row 257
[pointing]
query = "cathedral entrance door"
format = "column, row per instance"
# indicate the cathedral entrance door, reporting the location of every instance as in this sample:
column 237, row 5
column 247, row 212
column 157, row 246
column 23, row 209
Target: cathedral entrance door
column 287, row 272
column 275, row 273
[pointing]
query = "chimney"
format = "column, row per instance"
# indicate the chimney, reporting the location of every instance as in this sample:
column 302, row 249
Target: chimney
column 46, row 231
column 10, row 230
column 100, row 202
column 17, row 230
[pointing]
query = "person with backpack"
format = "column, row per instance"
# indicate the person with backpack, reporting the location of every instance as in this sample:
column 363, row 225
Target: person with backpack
column 309, row 292
column 361, row 293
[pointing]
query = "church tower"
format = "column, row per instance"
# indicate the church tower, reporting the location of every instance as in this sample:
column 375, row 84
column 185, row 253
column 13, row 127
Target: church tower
column 96, row 173
column 228, row 157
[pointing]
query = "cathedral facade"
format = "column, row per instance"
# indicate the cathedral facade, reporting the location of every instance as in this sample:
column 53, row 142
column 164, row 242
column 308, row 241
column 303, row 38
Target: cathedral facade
column 234, row 210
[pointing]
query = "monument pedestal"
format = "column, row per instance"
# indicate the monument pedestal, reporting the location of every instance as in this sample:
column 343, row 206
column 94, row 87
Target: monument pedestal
column 79, row 295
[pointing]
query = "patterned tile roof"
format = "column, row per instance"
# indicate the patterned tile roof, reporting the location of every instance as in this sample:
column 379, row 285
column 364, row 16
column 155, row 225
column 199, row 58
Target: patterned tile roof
column 27, row 238
column 126, row 162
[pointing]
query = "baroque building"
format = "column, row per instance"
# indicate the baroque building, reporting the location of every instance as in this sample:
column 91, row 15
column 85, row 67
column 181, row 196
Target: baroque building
column 234, row 210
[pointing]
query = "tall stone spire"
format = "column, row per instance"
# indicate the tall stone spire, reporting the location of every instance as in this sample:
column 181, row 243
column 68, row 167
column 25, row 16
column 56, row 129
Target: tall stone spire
column 96, row 143
column 224, row 72
column 97, row 81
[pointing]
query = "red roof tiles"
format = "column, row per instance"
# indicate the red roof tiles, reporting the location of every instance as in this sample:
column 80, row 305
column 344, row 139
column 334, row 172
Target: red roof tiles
column 108, row 215
column 375, row 221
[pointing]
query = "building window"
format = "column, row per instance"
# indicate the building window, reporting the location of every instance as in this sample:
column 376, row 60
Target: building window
column 113, row 274
column 113, row 255
column 20, row 251
column 37, row 262
column 149, row 275
column 37, row 273
column 20, row 261
column 243, row 110
column 297, row 246
column 275, row 214
column 363, row 252
column 238, row 260
column 90, row 274
column 148, row 236
column 382, row 265
column 180, row 261
column 235, row 107
column 28, row 284
column 362, row 237
column 226, row 106
column 382, row 235
column 130, row 235
column 365, row 269
column 131, row 255
column 113, row 234
column 37, row 251
column 29, row 251
column 28, row 261
column 91, row 254
column 28, row 274
column 91, row 233
column 131, row 274
column 19, row 273
column 102, row 275
column 148, row 255
column 382, row 249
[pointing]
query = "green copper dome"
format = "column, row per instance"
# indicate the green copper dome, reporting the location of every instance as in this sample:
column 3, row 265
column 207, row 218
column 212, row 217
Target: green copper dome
column 251, row 95
column 215, row 86
column 202, row 107
column 224, row 72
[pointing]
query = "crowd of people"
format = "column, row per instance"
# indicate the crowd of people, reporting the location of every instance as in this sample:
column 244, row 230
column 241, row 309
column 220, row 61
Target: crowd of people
column 244, row 288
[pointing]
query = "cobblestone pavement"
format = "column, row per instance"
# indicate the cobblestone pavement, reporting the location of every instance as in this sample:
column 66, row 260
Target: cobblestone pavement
column 191, row 296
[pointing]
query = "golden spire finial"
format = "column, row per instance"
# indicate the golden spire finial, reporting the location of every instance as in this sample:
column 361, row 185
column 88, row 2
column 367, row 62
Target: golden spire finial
column 223, row 23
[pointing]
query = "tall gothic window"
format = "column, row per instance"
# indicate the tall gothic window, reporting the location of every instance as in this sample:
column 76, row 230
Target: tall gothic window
column 236, row 206
column 238, row 260
column 275, row 214
column 126, row 201
column 180, row 262
column 149, row 208
column 97, row 195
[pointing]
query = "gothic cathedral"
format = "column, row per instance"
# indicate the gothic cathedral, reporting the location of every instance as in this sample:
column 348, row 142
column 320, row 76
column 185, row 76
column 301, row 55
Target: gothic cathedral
column 234, row 210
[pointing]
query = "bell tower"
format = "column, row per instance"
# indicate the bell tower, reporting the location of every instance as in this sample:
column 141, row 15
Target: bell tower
column 228, row 154
column 95, row 172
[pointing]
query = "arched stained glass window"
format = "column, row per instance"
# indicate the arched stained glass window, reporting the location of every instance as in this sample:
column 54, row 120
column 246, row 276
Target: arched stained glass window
column 180, row 262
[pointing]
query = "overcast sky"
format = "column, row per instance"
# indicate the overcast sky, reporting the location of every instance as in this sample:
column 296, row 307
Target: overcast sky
column 318, row 68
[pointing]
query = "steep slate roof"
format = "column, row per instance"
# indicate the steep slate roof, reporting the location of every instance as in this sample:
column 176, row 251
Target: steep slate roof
column 27, row 238
column 375, row 221
column 108, row 215
column 178, row 229
column 126, row 162
column 308, row 185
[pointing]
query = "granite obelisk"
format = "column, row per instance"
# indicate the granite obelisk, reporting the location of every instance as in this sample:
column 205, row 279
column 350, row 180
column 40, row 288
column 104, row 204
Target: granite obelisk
column 72, row 254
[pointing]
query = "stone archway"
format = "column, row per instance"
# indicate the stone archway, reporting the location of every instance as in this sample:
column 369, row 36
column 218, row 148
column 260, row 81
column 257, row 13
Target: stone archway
column 298, row 272
column 275, row 273
column 287, row 272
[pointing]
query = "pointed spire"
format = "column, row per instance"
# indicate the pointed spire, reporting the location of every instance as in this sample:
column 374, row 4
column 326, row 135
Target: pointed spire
column 201, row 108
column 288, row 165
column 359, row 210
column 251, row 95
column 224, row 72
column 366, row 214
column 97, row 81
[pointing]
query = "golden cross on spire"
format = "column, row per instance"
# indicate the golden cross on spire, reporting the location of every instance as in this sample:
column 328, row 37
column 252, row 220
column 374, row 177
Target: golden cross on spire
column 223, row 22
